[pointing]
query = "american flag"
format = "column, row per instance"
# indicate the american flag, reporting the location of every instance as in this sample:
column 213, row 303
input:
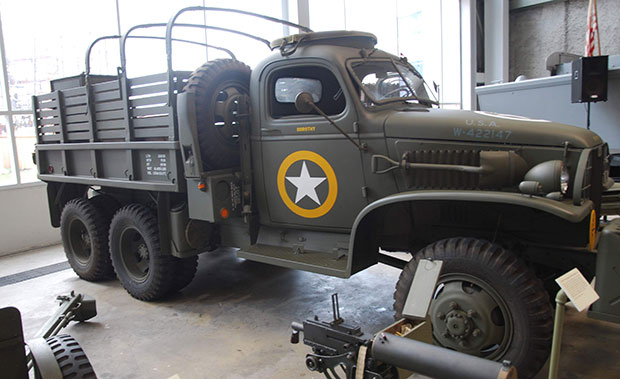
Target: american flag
column 592, row 30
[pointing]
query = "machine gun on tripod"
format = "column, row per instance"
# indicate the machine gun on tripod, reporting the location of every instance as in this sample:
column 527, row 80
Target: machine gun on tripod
column 338, row 346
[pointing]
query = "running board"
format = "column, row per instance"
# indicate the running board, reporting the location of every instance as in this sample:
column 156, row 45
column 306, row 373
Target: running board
column 299, row 259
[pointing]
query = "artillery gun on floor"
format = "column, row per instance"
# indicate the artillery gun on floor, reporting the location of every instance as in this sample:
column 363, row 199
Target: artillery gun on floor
column 48, row 355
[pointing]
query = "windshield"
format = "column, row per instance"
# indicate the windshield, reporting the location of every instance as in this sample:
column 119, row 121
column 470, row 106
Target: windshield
column 384, row 80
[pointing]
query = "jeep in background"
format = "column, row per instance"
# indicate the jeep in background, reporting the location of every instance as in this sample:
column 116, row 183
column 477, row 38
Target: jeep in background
column 327, row 154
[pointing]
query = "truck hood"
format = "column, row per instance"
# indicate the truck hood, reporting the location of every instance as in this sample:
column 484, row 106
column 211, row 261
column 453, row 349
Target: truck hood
column 458, row 125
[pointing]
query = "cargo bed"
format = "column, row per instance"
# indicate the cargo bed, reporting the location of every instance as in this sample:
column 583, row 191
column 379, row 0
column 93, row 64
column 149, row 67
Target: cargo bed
column 110, row 131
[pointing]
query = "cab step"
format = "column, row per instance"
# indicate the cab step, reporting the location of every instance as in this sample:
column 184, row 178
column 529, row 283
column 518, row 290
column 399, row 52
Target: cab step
column 300, row 259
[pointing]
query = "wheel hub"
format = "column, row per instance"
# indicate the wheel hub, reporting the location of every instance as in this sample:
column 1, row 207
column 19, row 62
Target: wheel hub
column 143, row 252
column 468, row 318
column 80, row 241
column 226, row 115
column 134, row 254
column 85, row 239
column 458, row 325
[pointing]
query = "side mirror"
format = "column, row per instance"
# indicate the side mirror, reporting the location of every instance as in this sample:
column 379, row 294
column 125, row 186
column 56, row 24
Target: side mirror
column 304, row 102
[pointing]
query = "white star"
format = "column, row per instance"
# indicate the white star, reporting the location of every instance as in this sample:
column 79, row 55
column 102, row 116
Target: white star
column 306, row 185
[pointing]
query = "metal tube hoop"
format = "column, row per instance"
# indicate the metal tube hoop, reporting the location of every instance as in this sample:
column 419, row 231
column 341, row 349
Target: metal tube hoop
column 90, row 48
column 173, row 19
column 155, row 25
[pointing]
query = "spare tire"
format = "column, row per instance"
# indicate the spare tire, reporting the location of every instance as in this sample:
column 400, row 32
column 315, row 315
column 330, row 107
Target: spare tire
column 217, row 86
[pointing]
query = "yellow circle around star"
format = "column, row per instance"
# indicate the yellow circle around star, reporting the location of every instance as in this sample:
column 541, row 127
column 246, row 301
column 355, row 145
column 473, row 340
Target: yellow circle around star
column 331, row 181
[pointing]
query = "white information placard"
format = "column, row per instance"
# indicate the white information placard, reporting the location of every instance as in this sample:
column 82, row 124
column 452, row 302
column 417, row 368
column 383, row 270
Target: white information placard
column 422, row 289
column 577, row 288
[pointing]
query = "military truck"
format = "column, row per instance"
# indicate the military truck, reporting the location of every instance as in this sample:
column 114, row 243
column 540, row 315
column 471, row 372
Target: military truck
column 326, row 157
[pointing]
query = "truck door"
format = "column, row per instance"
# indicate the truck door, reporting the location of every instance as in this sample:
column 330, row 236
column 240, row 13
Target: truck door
column 311, row 173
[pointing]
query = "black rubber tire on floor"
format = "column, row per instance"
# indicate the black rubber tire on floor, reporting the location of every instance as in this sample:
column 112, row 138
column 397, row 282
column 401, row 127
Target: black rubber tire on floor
column 515, row 287
column 72, row 360
column 215, row 84
column 184, row 272
column 142, row 269
column 84, row 233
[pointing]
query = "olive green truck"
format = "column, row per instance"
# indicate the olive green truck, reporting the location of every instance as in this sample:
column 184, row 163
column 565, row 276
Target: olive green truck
column 325, row 157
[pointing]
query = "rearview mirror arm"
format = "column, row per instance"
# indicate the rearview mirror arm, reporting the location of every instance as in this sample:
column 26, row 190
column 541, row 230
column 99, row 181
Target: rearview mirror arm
column 304, row 100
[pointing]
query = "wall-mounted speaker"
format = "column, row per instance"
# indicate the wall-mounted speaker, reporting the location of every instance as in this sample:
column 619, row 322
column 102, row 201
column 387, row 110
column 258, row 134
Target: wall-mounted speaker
column 589, row 79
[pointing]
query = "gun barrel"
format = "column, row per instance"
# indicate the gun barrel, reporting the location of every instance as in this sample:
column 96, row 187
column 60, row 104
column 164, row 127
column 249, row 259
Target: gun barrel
column 435, row 361
column 298, row 326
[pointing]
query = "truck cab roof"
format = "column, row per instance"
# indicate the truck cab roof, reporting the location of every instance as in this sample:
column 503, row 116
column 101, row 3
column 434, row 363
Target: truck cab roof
column 360, row 40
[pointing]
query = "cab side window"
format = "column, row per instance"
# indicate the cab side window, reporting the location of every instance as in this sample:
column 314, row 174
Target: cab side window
column 287, row 83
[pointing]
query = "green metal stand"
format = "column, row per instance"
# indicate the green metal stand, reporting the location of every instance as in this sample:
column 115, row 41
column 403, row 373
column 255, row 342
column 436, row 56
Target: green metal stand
column 558, row 326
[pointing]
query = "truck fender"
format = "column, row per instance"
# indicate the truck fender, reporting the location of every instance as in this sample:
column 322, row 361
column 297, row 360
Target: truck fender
column 360, row 246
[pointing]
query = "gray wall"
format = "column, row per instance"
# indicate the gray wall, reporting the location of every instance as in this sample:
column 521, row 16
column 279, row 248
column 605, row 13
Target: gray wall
column 538, row 31
column 24, row 219
column 549, row 99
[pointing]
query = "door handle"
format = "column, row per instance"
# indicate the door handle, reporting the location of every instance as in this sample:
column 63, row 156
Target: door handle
column 270, row 131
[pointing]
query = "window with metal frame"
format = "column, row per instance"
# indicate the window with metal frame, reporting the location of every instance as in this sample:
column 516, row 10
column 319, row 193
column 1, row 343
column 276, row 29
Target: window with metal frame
column 287, row 83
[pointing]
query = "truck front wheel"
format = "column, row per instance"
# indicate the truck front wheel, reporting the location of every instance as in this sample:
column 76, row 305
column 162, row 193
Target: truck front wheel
column 84, row 233
column 487, row 303
column 143, row 270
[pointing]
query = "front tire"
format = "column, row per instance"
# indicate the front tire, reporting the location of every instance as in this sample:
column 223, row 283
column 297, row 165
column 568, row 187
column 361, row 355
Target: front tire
column 142, row 269
column 84, row 233
column 487, row 303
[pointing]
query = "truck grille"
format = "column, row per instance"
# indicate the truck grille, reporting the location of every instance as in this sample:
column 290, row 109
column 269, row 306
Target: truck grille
column 586, row 185
column 442, row 179
column 589, row 178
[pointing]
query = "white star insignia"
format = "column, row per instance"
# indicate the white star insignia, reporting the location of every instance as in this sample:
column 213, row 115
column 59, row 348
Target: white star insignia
column 306, row 185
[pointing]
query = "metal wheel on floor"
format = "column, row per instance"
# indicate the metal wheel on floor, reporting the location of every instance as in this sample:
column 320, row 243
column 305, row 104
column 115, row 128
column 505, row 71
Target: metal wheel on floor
column 70, row 357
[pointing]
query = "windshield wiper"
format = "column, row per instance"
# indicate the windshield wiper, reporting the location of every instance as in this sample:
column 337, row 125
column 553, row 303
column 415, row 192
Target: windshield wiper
column 404, row 61
column 411, row 92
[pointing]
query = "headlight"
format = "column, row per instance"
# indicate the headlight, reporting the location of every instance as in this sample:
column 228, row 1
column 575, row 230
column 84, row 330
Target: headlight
column 552, row 175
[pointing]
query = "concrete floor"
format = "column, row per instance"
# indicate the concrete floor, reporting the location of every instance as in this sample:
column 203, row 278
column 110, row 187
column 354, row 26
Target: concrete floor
column 233, row 320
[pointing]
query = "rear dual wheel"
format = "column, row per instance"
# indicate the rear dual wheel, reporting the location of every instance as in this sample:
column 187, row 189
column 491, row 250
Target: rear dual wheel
column 143, row 270
column 84, row 230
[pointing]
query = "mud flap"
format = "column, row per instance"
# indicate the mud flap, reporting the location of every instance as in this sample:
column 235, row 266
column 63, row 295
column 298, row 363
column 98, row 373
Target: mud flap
column 608, row 275
column 610, row 204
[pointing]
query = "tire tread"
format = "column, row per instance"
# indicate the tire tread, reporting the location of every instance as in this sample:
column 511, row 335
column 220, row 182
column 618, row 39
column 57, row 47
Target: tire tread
column 71, row 358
